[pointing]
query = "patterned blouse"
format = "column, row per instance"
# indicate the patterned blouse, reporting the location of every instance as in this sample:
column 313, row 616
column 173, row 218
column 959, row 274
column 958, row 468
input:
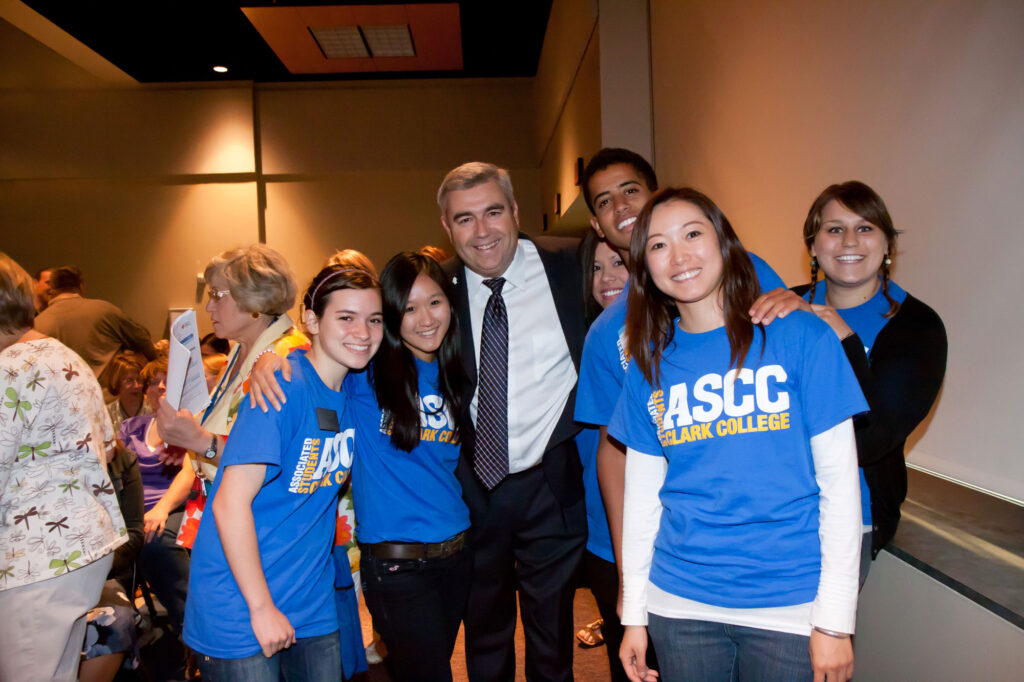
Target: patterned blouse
column 58, row 511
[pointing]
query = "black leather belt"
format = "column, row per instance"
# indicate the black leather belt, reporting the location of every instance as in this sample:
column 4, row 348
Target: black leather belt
column 415, row 550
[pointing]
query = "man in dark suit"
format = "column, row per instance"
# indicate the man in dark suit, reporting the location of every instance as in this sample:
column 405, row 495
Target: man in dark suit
column 520, row 304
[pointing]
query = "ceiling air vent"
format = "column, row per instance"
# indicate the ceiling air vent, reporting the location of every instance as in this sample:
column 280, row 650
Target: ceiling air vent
column 340, row 42
column 389, row 41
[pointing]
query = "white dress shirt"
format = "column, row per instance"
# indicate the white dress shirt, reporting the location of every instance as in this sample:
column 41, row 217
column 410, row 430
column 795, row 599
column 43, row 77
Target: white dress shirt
column 541, row 374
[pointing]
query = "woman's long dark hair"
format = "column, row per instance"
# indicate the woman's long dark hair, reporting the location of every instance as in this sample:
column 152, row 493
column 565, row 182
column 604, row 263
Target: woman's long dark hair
column 394, row 376
column 865, row 202
column 586, row 251
column 651, row 315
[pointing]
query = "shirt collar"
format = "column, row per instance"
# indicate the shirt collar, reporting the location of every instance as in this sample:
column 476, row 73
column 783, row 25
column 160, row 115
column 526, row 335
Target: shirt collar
column 515, row 275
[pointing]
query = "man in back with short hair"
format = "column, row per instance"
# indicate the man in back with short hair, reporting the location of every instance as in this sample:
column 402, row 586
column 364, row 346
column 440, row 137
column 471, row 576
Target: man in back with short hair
column 41, row 289
column 93, row 328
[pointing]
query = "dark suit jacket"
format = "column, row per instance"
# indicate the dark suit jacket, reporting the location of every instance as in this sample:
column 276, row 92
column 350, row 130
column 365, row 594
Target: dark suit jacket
column 561, row 463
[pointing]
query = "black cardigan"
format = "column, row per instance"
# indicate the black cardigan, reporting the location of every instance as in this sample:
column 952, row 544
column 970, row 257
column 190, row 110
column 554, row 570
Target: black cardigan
column 900, row 381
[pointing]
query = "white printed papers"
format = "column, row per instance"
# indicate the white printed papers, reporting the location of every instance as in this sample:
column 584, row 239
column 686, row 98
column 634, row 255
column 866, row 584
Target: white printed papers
column 186, row 380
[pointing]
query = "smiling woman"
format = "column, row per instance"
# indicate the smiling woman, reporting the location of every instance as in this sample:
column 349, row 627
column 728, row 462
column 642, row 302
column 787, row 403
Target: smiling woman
column 761, row 575
column 895, row 343
column 261, row 592
column 412, row 519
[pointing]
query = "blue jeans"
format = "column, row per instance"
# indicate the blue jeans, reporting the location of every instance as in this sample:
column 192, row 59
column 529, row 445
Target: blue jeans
column 310, row 658
column 716, row 652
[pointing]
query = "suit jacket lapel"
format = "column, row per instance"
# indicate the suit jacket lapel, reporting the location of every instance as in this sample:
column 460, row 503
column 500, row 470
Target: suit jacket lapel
column 457, row 270
column 564, row 290
column 568, row 301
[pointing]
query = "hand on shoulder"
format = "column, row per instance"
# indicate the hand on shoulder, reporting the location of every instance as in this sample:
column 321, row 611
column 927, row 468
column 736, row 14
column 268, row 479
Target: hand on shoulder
column 264, row 388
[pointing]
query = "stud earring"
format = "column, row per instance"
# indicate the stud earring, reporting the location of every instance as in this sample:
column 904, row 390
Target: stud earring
column 887, row 261
column 814, row 263
column 255, row 316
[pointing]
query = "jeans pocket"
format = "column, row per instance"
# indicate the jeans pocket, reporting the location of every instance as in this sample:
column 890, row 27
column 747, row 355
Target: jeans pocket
column 388, row 569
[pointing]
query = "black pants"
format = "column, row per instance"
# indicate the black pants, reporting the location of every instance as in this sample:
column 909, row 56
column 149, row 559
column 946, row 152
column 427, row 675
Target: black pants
column 526, row 541
column 417, row 607
column 165, row 565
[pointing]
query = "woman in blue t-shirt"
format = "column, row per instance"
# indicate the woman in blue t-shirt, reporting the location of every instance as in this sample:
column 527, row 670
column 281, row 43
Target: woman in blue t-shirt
column 261, row 594
column 605, row 276
column 895, row 343
column 412, row 521
column 741, row 528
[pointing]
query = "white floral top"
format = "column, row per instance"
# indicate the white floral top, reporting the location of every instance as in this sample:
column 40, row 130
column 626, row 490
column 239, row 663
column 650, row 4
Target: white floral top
column 58, row 511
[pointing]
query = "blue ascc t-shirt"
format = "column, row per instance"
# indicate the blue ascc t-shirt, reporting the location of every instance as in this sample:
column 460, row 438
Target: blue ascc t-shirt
column 866, row 320
column 404, row 496
column 599, row 538
column 739, row 527
column 308, row 452
column 605, row 356
column 602, row 371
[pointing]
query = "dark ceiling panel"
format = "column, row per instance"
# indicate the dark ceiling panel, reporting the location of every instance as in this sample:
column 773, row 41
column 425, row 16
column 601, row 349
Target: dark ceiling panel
column 166, row 42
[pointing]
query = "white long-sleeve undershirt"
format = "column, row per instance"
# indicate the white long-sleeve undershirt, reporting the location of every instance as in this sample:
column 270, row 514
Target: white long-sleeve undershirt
column 834, row 453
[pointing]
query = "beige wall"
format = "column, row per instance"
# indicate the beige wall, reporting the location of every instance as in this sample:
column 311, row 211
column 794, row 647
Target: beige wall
column 141, row 186
column 569, row 30
column 626, row 121
column 358, row 165
column 576, row 135
column 764, row 104
column 568, row 116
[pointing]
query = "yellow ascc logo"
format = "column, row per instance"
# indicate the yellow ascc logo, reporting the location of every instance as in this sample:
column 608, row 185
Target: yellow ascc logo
column 736, row 396
column 320, row 460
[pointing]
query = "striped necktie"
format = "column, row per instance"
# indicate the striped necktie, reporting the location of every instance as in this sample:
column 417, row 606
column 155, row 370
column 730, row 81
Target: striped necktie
column 490, row 456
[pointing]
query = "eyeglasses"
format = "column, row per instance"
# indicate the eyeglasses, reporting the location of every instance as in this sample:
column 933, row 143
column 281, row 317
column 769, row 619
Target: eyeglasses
column 215, row 296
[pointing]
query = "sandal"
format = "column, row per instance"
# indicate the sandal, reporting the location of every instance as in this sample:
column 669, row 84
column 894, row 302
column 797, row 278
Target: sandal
column 590, row 635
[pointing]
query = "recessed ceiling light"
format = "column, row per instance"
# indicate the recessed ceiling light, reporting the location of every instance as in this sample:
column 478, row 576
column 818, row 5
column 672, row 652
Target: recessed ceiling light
column 389, row 41
column 220, row 69
column 340, row 42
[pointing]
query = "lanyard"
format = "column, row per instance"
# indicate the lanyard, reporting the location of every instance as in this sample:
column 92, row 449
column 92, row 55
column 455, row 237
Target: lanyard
column 222, row 386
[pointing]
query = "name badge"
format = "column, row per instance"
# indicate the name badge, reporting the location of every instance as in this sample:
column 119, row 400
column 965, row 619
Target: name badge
column 327, row 419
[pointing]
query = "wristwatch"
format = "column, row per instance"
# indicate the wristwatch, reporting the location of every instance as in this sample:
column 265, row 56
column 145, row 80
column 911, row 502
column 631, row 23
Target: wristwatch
column 211, row 451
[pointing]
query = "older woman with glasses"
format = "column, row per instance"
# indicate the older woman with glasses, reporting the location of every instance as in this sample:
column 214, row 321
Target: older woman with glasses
column 250, row 291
